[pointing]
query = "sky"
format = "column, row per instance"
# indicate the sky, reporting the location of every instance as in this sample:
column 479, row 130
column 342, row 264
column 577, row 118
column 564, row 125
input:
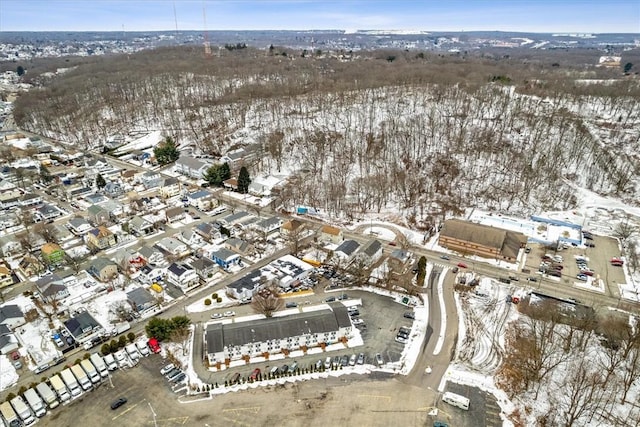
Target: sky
column 585, row 16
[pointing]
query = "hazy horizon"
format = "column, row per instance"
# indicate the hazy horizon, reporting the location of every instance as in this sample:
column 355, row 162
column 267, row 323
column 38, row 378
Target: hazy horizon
column 542, row 16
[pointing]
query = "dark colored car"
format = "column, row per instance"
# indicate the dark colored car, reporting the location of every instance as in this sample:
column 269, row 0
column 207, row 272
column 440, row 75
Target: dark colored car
column 291, row 305
column 330, row 299
column 118, row 403
column 409, row 315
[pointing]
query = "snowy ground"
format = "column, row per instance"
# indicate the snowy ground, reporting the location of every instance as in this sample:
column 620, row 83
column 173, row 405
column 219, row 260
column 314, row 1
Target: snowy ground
column 199, row 306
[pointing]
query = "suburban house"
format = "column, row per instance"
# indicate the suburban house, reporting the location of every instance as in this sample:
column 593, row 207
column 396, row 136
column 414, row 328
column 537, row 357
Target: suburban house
column 113, row 189
column 225, row 258
column 141, row 300
column 172, row 246
column 170, row 187
column 347, row 250
column 292, row 227
column 174, row 214
column 116, row 210
column 239, row 246
column 269, row 225
column 481, row 240
column 202, row 200
column 398, row 260
column 370, row 253
column 182, row 276
column 48, row 212
column 331, row 234
column 246, row 286
column 133, row 260
column 5, row 277
column 140, row 226
column 8, row 341
column 79, row 226
column 208, row 231
column 204, row 268
column 149, row 274
column 152, row 255
column 83, row 327
column 30, row 200
column 52, row 253
column 51, row 288
column 191, row 167
column 290, row 270
column 12, row 316
column 230, row 184
column 95, row 198
column 151, row 180
column 234, row 158
column 9, row 246
column 103, row 269
column 234, row 218
column 189, row 237
column 97, row 215
column 30, row 265
column 100, row 238
column 253, row 338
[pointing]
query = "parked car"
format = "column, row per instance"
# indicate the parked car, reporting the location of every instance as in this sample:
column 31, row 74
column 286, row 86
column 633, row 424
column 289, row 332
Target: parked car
column 360, row 359
column 582, row 277
column 462, row 265
column 532, row 279
column 255, row 374
column 454, row 270
column 291, row 305
column 229, row 313
column 330, row 299
column 327, row 362
column 354, row 313
column 379, row 359
column 118, row 403
column 319, row 364
column 165, row 370
column 284, row 369
column 342, row 297
column 178, row 378
column 344, row 361
column 352, row 360
column 216, row 316
column 445, row 257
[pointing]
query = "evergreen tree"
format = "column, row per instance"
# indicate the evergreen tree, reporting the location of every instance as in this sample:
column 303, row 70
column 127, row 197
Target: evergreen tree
column 217, row 174
column 166, row 152
column 100, row 182
column 244, row 180
column 20, row 70
column 45, row 175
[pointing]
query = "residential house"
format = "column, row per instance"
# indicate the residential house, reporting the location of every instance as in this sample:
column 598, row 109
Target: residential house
column 292, row 227
column 48, row 212
column 370, row 253
column 172, row 246
column 191, row 167
column 113, row 189
column 8, row 219
column 5, row 277
column 204, row 268
column 208, row 231
column 331, row 234
column 174, row 214
column 239, row 246
column 97, row 215
column 234, row 218
column 100, row 238
column 95, row 198
column 151, row 180
column 30, row 265
column 116, row 210
column 76, row 192
column 398, row 260
column 347, row 250
column 8, row 341
column 12, row 316
column 170, row 187
column 9, row 202
column 79, row 226
column 182, row 276
column 234, row 158
column 52, row 254
column 149, row 274
column 152, row 255
column 246, row 286
column 9, row 246
column 141, row 300
column 189, row 237
column 225, row 258
column 140, row 226
column 99, row 164
column 133, row 260
column 230, row 184
column 83, row 327
column 103, row 269
column 234, row 341
column 51, row 288
column 30, row 200
column 269, row 225
column 202, row 200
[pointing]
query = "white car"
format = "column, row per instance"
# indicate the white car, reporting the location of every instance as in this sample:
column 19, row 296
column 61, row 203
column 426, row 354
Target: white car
column 143, row 348
column 165, row 370
column 229, row 313
column 132, row 352
column 357, row 321
column 122, row 359
column 216, row 316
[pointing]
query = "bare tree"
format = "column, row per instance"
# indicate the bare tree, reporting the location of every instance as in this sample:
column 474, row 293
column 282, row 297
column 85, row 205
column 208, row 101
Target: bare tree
column 294, row 238
column 180, row 335
column 75, row 262
column 267, row 301
column 624, row 230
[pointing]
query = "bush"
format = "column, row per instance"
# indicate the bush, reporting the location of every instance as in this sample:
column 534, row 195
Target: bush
column 86, row 356
column 122, row 341
column 105, row 349
column 131, row 336
column 219, row 300
column 10, row 396
column 207, row 301
column 77, row 362
column 113, row 346
column 214, row 295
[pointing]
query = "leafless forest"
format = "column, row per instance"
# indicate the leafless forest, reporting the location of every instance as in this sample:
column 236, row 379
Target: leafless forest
column 420, row 133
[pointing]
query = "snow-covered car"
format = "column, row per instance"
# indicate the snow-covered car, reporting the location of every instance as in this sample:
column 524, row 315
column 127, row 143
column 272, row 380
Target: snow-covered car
column 229, row 313
column 216, row 316
column 360, row 359
column 582, row 277
column 122, row 359
column 445, row 257
column 165, row 369
column 379, row 359
column 357, row 321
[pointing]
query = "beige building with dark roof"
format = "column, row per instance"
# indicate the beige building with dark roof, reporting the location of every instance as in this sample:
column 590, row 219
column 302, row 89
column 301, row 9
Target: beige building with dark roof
column 481, row 240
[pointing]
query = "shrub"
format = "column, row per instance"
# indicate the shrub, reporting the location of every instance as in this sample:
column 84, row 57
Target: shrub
column 214, row 295
column 77, row 361
column 113, row 346
column 122, row 341
column 105, row 349
column 131, row 336
column 86, row 356
column 219, row 300
column 207, row 301
column 10, row 396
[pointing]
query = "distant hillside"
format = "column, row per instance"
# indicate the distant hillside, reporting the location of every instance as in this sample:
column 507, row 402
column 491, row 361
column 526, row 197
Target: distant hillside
column 421, row 133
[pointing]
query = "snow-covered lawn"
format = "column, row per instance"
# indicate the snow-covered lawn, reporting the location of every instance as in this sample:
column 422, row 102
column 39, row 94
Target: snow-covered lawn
column 199, row 306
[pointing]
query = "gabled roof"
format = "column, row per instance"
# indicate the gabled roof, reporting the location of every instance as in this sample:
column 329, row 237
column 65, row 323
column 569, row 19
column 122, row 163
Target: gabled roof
column 203, row 264
column 267, row 223
column 179, row 269
column 190, row 162
column 327, row 229
column 78, row 222
column 137, row 222
column 140, row 297
column 170, row 181
column 348, row 247
column 82, row 323
column 101, row 262
column 170, row 244
column 224, row 254
column 147, row 252
column 95, row 209
column 199, row 194
column 10, row 311
column 100, row 232
column 174, row 212
column 371, row 248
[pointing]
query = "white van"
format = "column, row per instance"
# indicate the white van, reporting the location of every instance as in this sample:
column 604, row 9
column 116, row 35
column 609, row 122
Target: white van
column 456, row 400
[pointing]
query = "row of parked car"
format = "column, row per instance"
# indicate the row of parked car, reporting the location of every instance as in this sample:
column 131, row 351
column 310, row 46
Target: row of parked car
column 173, row 374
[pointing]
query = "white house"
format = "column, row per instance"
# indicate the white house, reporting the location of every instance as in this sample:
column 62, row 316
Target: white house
column 191, row 167
column 202, row 200
column 172, row 246
column 182, row 276
column 370, row 253
column 152, row 255
column 269, row 225
column 233, row 341
column 347, row 250
column 12, row 316
column 246, row 286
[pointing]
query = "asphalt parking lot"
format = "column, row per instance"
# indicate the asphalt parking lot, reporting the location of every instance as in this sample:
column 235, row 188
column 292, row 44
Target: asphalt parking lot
column 483, row 408
column 382, row 316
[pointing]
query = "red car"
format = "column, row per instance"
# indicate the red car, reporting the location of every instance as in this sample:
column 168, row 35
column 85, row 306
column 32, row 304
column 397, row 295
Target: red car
column 154, row 345
column 462, row 265
column 254, row 374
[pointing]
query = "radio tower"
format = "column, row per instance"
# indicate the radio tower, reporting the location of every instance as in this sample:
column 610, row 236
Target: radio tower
column 207, row 48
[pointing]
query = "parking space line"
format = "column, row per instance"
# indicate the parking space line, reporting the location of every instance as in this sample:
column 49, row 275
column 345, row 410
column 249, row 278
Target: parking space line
column 387, row 398
column 178, row 420
column 237, row 411
column 127, row 410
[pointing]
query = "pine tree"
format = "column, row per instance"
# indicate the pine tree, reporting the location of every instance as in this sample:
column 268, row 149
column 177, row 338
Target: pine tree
column 100, row 182
column 217, row 174
column 166, row 152
column 244, row 180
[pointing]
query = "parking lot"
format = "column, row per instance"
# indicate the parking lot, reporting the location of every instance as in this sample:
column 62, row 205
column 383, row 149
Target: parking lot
column 382, row 318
